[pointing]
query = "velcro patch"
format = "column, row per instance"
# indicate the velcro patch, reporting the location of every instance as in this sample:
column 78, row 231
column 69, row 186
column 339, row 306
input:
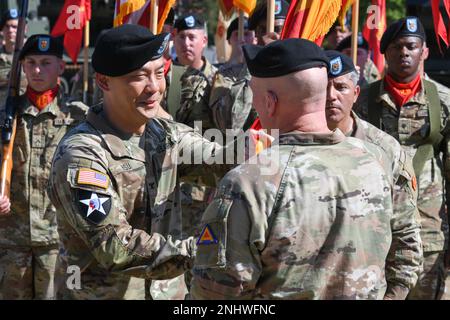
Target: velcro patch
column 207, row 236
column 92, row 178
column 92, row 206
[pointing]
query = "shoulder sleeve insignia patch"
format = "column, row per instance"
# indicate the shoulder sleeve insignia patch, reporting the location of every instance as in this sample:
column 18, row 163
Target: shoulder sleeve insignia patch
column 207, row 236
column 92, row 206
column 92, row 178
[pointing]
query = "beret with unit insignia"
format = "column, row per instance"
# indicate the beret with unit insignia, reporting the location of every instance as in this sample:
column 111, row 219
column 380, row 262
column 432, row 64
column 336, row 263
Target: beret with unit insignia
column 260, row 13
column 346, row 43
column 340, row 64
column 42, row 44
column 188, row 22
column 405, row 27
column 126, row 48
column 282, row 57
column 234, row 25
column 11, row 14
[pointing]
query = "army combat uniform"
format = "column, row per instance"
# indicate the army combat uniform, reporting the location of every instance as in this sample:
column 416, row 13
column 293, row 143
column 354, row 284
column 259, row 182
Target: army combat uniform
column 29, row 237
column 5, row 69
column 231, row 98
column 304, row 232
column 410, row 125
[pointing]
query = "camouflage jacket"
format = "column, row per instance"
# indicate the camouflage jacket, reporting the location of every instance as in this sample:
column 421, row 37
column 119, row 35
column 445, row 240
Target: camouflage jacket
column 5, row 68
column 405, row 257
column 231, row 98
column 195, row 91
column 370, row 72
column 33, row 218
column 410, row 125
column 304, row 230
column 140, row 235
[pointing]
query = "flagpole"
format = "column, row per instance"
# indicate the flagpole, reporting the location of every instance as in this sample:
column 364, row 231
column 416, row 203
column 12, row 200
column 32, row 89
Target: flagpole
column 241, row 26
column 86, row 62
column 154, row 16
column 270, row 16
column 355, row 18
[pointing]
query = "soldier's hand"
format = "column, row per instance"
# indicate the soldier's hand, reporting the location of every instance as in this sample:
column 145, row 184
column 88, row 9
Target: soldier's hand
column 270, row 37
column 5, row 205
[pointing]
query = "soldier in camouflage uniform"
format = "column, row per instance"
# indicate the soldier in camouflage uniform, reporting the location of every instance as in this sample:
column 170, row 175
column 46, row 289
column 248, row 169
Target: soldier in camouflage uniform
column 342, row 92
column 114, row 178
column 8, row 26
column 415, row 112
column 190, row 40
column 28, row 236
column 231, row 96
column 304, row 230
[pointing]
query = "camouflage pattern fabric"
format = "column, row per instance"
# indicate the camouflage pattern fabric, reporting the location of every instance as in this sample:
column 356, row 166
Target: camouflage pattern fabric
column 400, row 275
column 231, row 98
column 303, row 231
column 409, row 125
column 5, row 69
column 30, row 232
column 370, row 72
column 140, row 236
column 431, row 282
column 28, row 273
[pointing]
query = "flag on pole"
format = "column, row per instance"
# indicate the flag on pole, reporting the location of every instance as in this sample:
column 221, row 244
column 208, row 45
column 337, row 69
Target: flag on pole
column 138, row 12
column 245, row 5
column 439, row 27
column 71, row 21
column 310, row 19
column 227, row 8
column 373, row 30
column 346, row 5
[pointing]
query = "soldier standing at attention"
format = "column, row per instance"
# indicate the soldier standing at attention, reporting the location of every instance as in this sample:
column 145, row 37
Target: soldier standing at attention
column 304, row 230
column 405, row 257
column 231, row 96
column 28, row 235
column 8, row 27
column 414, row 112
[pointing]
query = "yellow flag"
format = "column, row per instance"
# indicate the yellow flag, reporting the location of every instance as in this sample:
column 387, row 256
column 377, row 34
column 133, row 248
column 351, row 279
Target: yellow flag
column 245, row 5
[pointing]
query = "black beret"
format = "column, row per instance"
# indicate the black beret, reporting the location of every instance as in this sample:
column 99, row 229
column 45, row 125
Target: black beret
column 170, row 17
column 42, row 44
column 340, row 63
column 282, row 57
column 187, row 22
column 347, row 43
column 260, row 13
column 405, row 27
column 126, row 48
column 234, row 25
column 11, row 14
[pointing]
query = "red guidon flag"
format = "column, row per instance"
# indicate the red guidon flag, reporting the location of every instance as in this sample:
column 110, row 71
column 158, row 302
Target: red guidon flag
column 346, row 4
column 138, row 12
column 70, row 23
column 439, row 27
column 310, row 19
column 373, row 30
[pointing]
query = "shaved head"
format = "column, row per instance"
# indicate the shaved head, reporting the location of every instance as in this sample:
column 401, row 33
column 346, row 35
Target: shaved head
column 294, row 95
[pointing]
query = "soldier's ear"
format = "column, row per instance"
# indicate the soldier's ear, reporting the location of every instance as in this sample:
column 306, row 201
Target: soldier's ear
column 357, row 92
column 102, row 81
column 271, row 102
column 62, row 66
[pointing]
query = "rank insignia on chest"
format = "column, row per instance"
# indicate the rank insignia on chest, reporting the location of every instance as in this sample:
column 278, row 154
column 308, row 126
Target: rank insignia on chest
column 207, row 236
column 92, row 206
column 92, row 178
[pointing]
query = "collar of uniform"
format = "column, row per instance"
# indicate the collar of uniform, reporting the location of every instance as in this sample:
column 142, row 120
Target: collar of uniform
column 53, row 107
column 311, row 138
column 119, row 144
column 419, row 98
column 358, row 131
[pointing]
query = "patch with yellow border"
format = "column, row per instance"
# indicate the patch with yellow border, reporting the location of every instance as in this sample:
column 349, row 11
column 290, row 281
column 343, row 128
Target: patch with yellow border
column 91, row 177
column 207, row 236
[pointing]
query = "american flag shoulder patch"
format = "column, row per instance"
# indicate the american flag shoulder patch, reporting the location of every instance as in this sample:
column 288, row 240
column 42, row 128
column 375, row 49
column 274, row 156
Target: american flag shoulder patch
column 91, row 177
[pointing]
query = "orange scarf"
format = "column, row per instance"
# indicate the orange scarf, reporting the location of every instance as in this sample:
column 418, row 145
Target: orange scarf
column 41, row 99
column 402, row 92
